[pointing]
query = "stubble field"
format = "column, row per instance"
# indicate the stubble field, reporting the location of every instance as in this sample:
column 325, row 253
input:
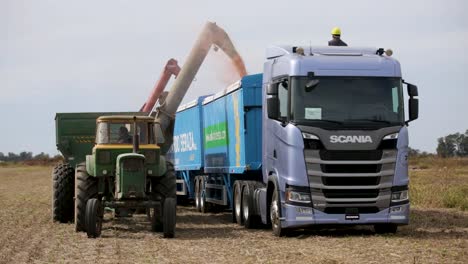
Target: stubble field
column 436, row 234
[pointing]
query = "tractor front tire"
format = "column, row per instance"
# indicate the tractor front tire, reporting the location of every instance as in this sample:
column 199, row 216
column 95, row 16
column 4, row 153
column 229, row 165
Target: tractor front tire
column 86, row 187
column 63, row 177
column 93, row 217
column 169, row 217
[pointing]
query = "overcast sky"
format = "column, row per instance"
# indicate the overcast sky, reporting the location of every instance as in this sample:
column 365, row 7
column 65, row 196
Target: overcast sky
column 81, row 56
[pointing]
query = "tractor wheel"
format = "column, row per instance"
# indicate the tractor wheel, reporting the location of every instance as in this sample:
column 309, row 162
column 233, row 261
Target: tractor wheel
column 155, row 214
column 93, row 217
column 62, row 197
column 86, row 187
column 165, row 186
column 169, row 217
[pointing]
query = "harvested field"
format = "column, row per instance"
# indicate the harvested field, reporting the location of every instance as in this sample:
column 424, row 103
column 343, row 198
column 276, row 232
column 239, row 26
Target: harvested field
column 27, row 234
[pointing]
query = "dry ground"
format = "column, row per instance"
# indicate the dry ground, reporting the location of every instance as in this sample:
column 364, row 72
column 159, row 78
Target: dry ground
column 27, row 234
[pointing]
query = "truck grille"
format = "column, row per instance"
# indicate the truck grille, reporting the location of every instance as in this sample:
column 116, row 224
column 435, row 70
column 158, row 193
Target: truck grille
column 343, row 179
column 351, row 168
column 350, row 181
column 350, row 193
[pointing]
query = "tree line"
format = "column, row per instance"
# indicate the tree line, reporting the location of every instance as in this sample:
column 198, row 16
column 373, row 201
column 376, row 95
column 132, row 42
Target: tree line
column 453, row 145
column 27, row 156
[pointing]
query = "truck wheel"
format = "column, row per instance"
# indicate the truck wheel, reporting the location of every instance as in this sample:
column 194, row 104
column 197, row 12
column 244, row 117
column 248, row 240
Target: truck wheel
column 169, row 217
column 238, row 202
column 234, row 218
column 275, row 214
column 385, row 228
column 93, row 218
column 197, row 193
column 156, row 218
column 86, row 187
column 248, row 212
column 63, row 177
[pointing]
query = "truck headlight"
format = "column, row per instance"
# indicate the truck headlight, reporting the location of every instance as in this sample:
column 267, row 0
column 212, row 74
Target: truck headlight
column 391, row 136
column 104, row 157
column 297, row 197
column 309, row 136
column 400, row 196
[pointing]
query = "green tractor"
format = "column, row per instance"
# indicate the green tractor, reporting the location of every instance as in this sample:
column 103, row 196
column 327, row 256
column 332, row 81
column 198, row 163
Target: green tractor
column 120, row 168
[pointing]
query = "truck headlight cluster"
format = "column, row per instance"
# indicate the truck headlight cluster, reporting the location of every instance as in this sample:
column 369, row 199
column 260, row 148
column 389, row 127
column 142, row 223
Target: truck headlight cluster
column 391, row 136
column 309, row 136
column 297, row 197
column 400, row 196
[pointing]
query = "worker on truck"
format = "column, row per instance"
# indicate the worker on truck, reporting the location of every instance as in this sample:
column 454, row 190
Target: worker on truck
column 336, row 38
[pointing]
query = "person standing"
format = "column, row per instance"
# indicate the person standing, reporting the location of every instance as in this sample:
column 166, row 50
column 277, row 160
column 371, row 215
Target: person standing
column 336, row 38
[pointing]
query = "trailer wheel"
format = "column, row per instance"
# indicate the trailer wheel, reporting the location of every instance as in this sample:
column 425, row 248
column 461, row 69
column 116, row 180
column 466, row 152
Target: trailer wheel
column 169, row 217
column 63, row 177
column 238, row 202
column 385, row 228
column 93, row 218
column 197, row 193
column 248, row 207
column 86, row 187
column 275, row 214
column 234, row 218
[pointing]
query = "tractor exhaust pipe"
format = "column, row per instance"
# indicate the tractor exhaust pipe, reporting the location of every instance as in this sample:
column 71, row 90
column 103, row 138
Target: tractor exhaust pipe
column 136, row 138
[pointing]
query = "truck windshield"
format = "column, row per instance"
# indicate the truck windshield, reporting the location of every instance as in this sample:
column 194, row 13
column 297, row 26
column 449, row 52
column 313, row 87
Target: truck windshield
column 122, row 133
column 347, row 101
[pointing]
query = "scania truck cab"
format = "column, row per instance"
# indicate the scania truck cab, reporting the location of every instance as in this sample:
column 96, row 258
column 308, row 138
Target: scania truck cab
column 335, row 139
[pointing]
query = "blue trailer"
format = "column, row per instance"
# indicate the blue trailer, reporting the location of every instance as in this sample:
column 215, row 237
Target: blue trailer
column 316, row 139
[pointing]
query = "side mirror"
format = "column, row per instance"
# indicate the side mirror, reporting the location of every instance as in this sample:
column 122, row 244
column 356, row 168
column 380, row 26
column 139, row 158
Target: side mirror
column 413, row 105
column 412, row 90
column 158, row 134
column 272, row 107
column 272, row 89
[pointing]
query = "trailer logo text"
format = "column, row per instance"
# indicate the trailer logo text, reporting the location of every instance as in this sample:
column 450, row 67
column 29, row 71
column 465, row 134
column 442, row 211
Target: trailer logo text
column 184, row 142
column 350, row 139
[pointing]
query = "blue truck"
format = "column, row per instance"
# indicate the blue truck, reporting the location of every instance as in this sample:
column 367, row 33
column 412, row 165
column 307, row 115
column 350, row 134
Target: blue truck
column 316, row 139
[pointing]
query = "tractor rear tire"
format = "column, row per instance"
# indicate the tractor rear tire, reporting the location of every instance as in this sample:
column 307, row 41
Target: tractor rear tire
column 165, row 186
column 93, row 218
column 156, row 218
column 86, row 187
column 169, row 217
column 63, row 177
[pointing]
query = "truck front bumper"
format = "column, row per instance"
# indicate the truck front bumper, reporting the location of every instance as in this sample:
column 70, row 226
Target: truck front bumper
column 297, row 217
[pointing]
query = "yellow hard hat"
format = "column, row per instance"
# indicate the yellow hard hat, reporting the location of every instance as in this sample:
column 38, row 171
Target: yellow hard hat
column 336, row 31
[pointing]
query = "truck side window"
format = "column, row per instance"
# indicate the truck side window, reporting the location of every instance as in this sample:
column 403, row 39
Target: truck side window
column 283, row 101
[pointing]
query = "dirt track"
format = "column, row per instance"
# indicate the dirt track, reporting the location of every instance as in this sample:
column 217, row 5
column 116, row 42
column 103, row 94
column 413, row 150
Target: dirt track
column 27, row 234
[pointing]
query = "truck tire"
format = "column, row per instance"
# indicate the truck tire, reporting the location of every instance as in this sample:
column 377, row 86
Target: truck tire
column 93, row 218
column 169, row 217
column 238, row 202
column 385, row 228
column 251, row 220
column 275, row 214
column 63, row 177
column 204, row 206
column 86, row 187
column 234, row 218
column 197, row 193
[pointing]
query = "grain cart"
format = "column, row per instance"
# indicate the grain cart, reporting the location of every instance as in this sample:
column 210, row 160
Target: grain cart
column 123, row 165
